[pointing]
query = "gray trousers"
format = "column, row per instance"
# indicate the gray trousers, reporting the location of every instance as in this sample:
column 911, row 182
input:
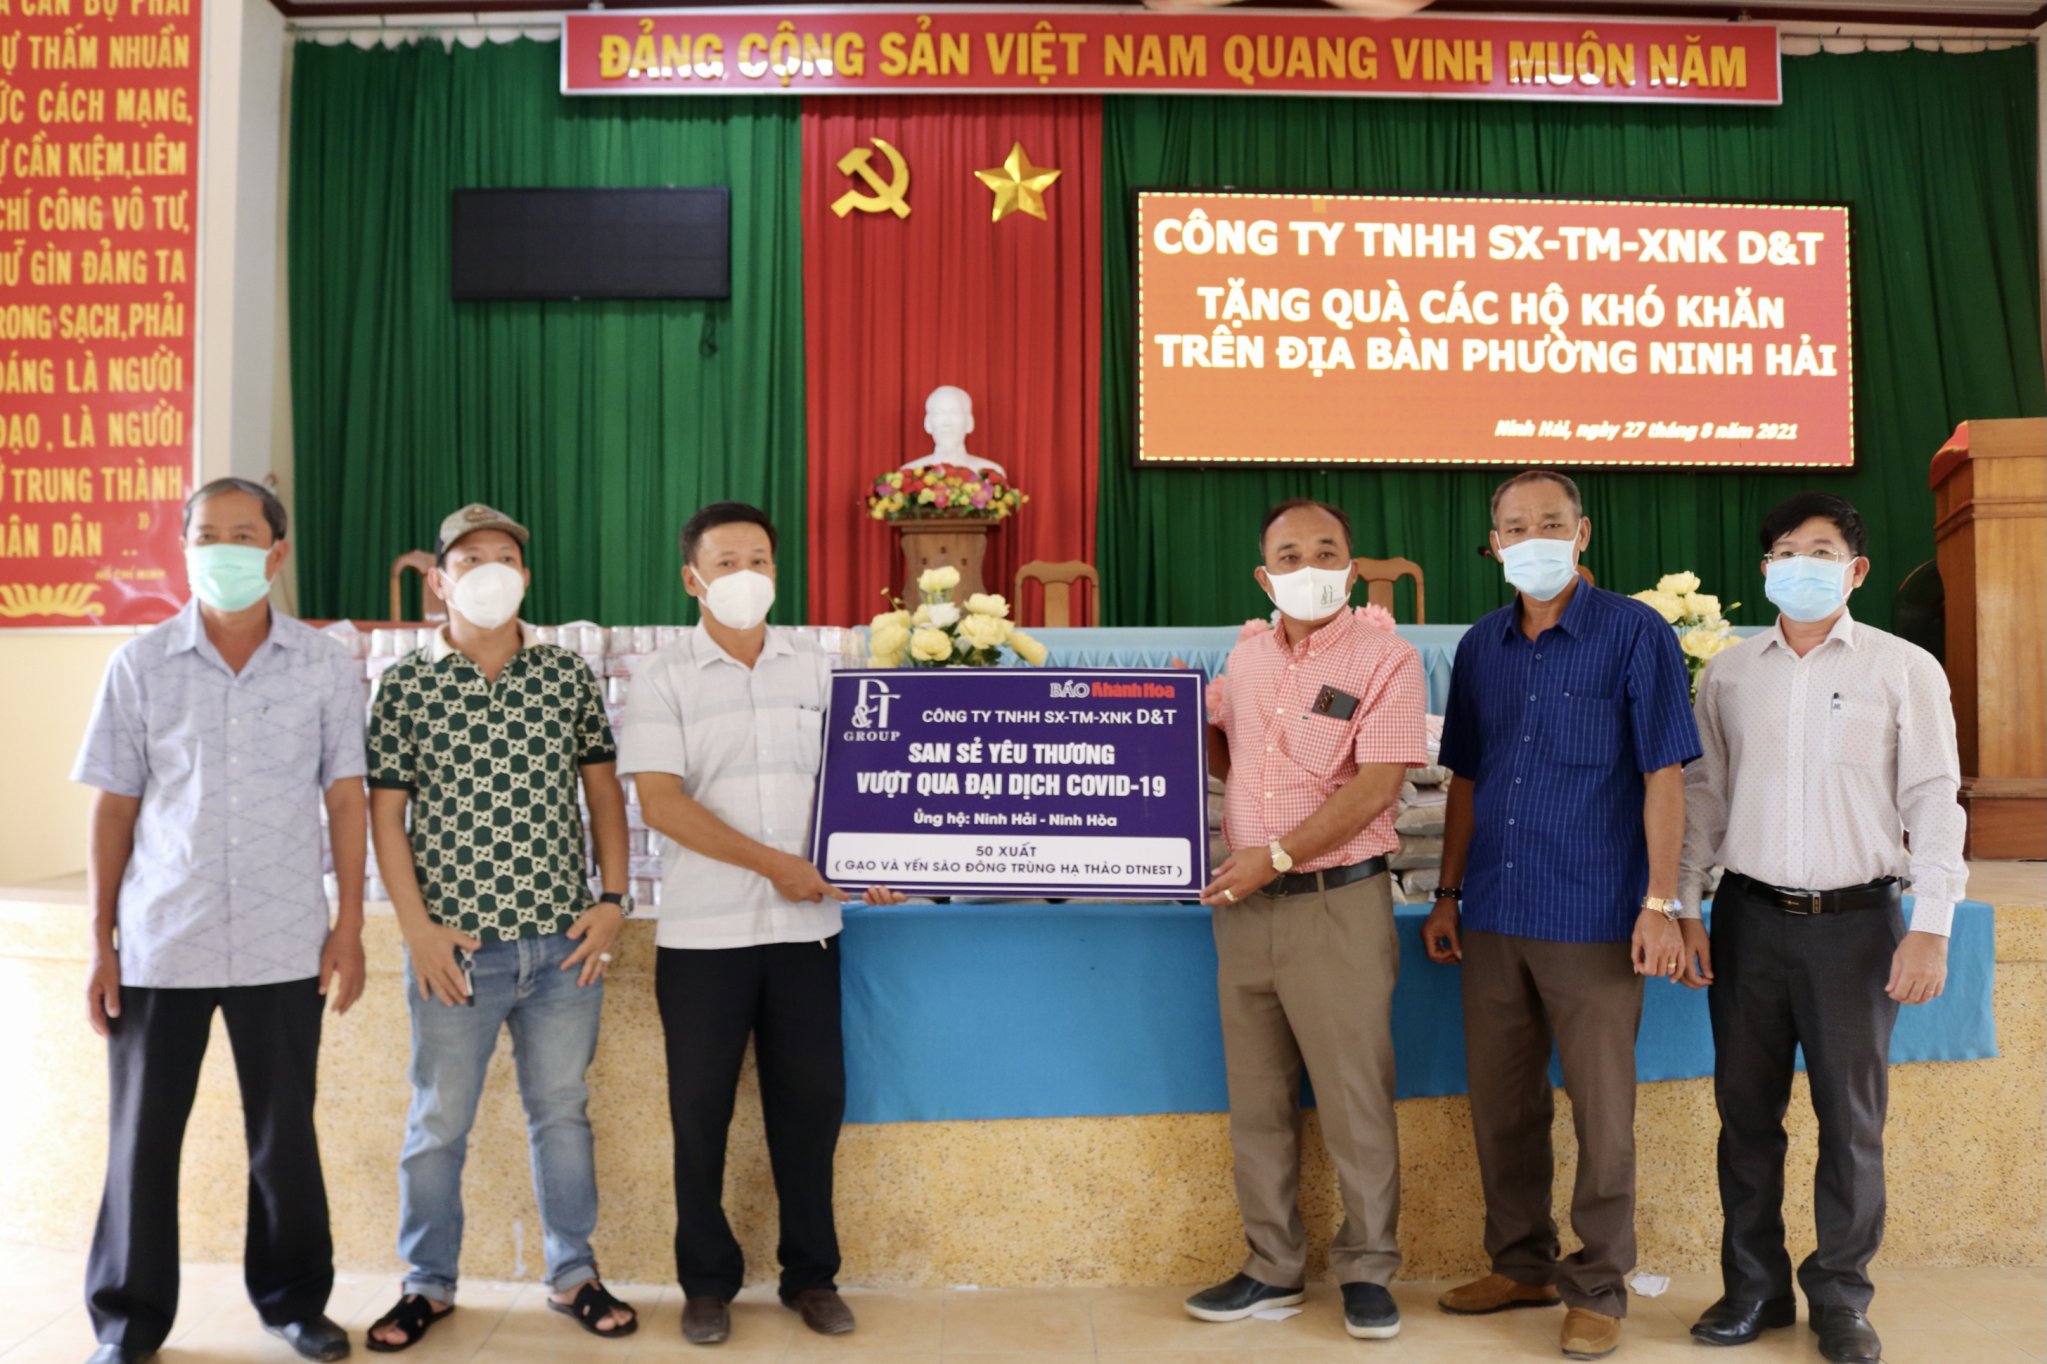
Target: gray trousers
column 1784, row 981
column 1520, row 996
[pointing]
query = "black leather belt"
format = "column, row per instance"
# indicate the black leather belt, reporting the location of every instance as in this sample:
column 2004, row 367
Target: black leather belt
column 1872, row 895
column 1315, row 882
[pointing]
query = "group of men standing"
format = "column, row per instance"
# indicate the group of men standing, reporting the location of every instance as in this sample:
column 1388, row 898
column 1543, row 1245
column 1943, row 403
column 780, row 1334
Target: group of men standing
column 1576, row 847
column 1589, row 801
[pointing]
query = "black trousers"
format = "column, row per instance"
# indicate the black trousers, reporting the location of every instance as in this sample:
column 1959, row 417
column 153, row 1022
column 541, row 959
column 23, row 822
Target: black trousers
column 786, row 996
column 1783, row 981
column 153, row 1059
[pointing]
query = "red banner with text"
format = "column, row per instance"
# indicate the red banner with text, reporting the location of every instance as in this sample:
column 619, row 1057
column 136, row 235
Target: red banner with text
column 99, row 188
column 1102, row 51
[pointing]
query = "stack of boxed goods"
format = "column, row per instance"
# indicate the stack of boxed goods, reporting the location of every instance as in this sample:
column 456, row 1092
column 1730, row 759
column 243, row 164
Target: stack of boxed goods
column 613, row 654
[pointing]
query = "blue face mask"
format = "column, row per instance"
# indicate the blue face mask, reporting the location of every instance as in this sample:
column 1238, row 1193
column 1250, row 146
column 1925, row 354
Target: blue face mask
column 1541, row 568
column 227, row 577
column 1805, row 589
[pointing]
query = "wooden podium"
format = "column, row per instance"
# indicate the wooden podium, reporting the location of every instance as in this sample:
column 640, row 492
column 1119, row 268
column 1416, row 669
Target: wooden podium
column 936, row 541
column 1990, row 527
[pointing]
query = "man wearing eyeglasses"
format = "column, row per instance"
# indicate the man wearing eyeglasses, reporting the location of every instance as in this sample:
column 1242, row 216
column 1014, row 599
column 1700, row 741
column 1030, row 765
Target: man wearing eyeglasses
column 1826, row 742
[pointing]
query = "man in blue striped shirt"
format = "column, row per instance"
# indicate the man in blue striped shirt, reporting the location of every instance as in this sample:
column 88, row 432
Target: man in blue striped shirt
column 1568, row 728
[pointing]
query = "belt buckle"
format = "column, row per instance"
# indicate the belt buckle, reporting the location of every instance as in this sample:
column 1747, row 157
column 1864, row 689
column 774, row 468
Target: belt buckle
column 1810, row 900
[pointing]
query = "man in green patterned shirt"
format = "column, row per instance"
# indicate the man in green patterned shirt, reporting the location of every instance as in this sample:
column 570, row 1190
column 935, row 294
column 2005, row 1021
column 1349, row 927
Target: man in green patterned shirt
column 484, row 735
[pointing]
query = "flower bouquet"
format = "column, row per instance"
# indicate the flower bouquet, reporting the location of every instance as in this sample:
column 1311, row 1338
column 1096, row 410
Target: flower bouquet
column 942, row 490
column 939, row 634
column 1702, row 631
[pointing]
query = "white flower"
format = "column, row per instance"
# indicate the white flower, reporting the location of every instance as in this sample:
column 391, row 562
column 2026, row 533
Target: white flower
column 944, row 614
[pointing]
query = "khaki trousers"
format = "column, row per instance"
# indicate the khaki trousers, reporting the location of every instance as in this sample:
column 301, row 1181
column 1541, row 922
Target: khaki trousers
column 1310, row 978
column 1519, row 995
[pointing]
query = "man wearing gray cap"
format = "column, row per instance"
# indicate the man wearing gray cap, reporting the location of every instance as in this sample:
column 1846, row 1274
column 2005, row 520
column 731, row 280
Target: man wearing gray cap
column 484, row 734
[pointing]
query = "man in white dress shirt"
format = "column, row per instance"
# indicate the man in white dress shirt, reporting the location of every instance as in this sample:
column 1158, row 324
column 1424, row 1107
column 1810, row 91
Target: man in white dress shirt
column 723, row 733
column 1826, row 743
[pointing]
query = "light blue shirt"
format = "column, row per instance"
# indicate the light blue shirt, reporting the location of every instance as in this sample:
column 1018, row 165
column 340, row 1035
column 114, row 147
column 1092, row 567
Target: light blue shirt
column 223, row 887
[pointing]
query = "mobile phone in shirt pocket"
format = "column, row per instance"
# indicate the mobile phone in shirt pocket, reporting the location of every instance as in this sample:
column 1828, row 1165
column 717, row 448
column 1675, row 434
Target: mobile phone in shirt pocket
column 1319, row 743
column 1860, row 734
column 1580, row 731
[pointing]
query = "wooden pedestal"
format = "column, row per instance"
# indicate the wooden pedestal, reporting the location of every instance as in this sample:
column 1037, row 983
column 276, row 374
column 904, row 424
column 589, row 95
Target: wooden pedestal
column 961, row 542
column 1990, row 526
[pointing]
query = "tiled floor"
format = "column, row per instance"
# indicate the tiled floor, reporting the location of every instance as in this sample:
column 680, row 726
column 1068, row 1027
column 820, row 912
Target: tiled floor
column 1933, row 1316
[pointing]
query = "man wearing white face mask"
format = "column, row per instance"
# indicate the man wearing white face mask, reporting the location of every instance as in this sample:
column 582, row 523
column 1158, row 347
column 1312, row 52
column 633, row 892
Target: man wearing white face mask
column 484, row 735
column 723, row 737
column 1827, row 741
column 1567, row 729
column 1315, row 722
column 215, row 740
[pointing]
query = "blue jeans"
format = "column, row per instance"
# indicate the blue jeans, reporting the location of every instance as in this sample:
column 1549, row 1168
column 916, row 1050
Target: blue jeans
column 554, row 1036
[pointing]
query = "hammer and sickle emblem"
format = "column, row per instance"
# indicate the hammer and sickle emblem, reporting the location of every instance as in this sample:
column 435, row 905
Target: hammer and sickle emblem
column 887, row 195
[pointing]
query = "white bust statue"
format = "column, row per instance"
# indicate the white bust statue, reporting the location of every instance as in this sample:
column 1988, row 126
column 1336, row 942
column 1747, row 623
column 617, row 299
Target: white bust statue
column 948, row 420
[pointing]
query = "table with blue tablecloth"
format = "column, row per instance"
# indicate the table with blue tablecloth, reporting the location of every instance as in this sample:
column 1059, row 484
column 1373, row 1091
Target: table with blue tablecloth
column 966, row 1011
column 1207, row 647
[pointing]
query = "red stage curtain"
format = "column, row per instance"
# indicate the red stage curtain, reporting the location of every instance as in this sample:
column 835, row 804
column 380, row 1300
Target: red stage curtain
column 1010, row 311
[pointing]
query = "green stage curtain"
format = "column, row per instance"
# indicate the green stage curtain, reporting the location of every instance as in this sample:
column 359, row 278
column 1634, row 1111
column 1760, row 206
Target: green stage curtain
column 1935, row 153
column 600, row 425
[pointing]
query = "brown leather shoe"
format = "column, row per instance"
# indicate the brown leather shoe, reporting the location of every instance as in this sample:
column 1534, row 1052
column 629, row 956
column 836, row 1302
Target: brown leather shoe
column 1496, row 1293
column 1589, row 1335
column 823, row 1311
column 706, row 1321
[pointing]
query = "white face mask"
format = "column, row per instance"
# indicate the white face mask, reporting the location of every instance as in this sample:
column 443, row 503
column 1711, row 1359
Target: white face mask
column 1310, row 594
column 739, row 601
column 1541, row 568
column 488, row 595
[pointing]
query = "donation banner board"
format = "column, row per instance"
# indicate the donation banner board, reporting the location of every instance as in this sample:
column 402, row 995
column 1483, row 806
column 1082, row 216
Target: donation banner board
column 99, row 202
column 1050, row 50
column 1016, row 782
column 1329, row 329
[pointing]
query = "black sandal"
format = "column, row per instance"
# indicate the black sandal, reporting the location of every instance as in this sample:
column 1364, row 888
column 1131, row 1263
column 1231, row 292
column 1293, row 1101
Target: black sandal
column 413, row 1315
column 593, row 1304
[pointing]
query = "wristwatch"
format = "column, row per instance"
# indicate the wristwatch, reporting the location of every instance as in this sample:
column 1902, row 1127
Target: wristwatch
column 1281, row 863
column 623, row 901
column 1450, row 893
column 1672, row 910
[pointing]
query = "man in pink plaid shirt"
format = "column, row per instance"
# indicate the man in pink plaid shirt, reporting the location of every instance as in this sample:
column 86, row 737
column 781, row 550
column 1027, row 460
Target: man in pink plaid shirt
column 1314, row 725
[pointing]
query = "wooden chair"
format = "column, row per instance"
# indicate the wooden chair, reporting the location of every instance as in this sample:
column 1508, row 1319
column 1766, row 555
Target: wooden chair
column 419, row 561
column 1380, row 575
column 1059, row 580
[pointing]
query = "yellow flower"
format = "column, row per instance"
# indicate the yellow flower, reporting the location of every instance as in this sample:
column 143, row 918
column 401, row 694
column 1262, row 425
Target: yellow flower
column 1703, row 643
column 984, row 631
column 895, row 617
column 885, row 661
column 923, row 616
column 941, row 579
column 1704, row 605
column 1027, row 649
column 1679, row 583
column 987, row 604
column 931, row 645
column 1664, row 603
column 879, row 511
column 889, row 637
column 927, row 497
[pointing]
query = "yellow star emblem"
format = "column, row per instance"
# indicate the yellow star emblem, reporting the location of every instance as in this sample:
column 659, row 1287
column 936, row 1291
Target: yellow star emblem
column 1017, row 185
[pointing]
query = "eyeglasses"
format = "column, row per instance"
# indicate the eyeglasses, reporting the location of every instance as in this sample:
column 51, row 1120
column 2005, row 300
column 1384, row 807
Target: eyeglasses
column 1825, row 556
